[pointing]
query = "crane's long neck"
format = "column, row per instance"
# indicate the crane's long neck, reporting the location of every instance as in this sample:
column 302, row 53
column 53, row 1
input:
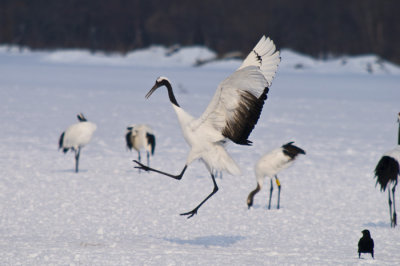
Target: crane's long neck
column 398, row 141
column 171, row 94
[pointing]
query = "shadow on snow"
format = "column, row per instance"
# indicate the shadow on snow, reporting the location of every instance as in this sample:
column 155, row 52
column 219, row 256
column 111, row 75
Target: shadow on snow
column 220, row 241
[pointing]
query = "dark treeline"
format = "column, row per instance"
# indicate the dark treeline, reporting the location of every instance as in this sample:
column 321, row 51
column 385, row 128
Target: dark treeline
column 316, row 27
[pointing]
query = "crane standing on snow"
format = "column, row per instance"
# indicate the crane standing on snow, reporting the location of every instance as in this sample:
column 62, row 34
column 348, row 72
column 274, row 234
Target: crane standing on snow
column 232, row 114
column 76, row 136
column 270, row 165
column 387, row 172
column 141, row 137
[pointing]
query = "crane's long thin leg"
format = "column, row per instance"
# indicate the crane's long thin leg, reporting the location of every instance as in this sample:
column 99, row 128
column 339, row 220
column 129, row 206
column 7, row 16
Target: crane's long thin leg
column 194, row 211
column 279, row 190
column 270, row 195
column 146, row 168
column 394, row 206
column 390, row 209
column 139, row 159
column 148, row 158
column 77, row 153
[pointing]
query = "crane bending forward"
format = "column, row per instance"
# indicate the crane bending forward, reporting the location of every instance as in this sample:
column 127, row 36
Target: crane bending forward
column 232, row 114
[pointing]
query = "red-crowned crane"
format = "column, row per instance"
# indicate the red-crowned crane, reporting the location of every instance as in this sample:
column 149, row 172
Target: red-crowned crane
column 386, row 172
column 76, row 136
column 231, row 115
column 141, row 137
column 270, row 165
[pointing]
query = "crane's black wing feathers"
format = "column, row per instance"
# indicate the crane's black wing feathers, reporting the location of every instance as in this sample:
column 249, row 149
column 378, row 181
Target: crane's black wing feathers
column 245, row 117
column 151, row 139
column 128, row 138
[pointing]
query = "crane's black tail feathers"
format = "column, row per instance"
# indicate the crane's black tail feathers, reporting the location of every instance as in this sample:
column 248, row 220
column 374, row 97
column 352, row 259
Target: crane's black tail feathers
column 386, row 171
column 128, row 138
column 61, row 143
column 151, row 139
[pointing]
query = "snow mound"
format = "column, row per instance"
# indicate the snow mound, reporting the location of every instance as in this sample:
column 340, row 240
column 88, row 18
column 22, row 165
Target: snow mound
column 152, row 56
column 197, row 56
column 372, row 64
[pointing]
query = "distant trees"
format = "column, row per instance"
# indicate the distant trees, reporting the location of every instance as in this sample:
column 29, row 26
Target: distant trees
column 316, row 27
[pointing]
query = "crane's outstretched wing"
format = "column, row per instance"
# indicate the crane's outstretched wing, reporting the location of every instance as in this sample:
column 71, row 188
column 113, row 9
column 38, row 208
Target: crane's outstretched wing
column 239, row 99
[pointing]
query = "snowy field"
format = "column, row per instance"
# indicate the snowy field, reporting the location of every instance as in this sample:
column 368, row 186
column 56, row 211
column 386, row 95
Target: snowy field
column 342, row 112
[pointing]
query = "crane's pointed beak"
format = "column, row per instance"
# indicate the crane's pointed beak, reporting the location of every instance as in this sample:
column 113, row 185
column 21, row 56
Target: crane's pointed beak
column 156, row 86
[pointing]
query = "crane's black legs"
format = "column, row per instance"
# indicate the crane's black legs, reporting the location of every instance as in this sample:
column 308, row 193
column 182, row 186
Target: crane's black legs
column 272, row 189
column 194, row 211
column 77, row 153
column 146, row 168
column 279, row 190
column 390, row 209
column 270, row 195
column 148, row 158
column 139, row 159
column 394, row 218
column 178, row 177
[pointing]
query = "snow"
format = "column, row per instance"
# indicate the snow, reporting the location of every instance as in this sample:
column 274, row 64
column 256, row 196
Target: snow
column 155, row 55
column 342, row 114
column 341, row 65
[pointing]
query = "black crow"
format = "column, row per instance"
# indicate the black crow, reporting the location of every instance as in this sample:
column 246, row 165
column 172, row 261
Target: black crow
column 366, row 244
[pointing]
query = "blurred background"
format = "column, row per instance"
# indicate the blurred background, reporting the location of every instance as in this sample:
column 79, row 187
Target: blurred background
column 322, row 29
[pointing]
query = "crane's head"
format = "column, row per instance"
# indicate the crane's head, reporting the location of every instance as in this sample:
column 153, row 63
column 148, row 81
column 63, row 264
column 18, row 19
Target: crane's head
column 132, row 129
column 161, row 81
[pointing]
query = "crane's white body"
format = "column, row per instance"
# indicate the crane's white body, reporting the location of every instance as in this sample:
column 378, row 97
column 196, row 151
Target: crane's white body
column 139, row 138
column 78, row 135
column 271, row 164
column 206, row 144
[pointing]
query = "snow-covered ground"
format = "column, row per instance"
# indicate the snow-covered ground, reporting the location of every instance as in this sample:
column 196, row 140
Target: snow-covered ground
column 342, row 112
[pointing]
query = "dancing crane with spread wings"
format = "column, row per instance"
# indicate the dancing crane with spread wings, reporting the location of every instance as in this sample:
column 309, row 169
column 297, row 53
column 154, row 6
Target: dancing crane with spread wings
column 231, row 115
